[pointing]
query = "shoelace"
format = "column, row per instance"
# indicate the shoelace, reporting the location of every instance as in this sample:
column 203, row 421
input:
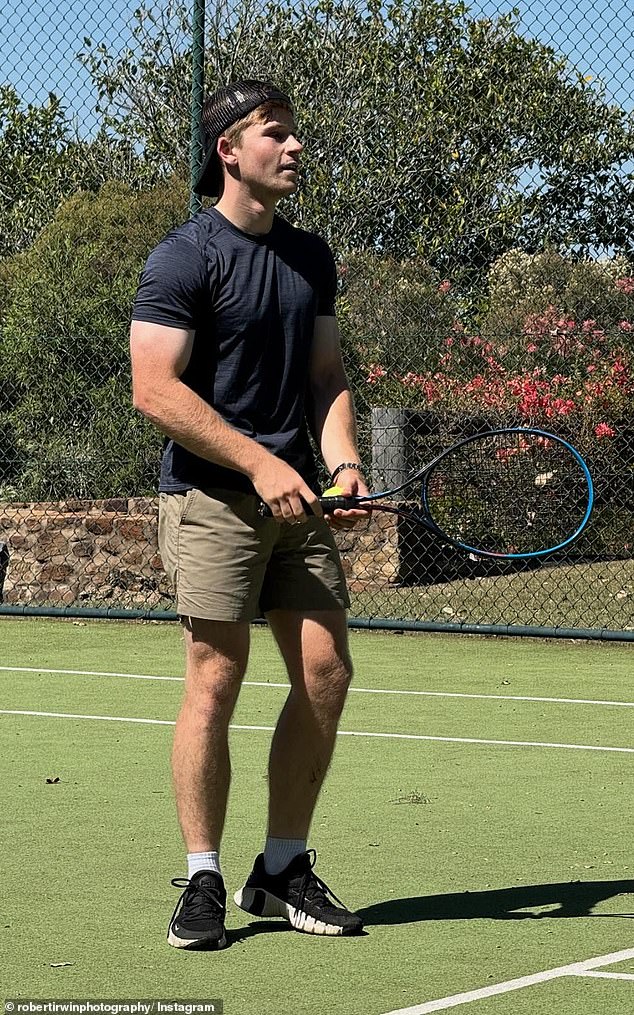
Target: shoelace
column 312, row 887
column 193, row 888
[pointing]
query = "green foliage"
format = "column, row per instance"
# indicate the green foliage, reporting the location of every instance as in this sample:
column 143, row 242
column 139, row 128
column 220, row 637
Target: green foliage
column 67, row 419
column 520, row 285
column 422, row 138
column 44, row 162
column 553, row 348
column 32, row 142
column 393, row 312
column 144, row 92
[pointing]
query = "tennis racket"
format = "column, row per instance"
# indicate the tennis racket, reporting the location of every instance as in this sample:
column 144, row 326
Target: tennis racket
column 512, row 493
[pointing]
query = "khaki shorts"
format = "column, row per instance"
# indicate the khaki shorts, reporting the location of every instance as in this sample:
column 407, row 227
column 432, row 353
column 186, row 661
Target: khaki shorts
column 227, row 563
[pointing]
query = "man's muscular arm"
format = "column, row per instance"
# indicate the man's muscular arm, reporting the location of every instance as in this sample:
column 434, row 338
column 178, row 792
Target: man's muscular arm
column 159, row 356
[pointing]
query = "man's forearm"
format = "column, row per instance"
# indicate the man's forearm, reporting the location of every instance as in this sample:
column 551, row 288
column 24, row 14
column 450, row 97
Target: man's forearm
column 335, row 425
column 182, row 415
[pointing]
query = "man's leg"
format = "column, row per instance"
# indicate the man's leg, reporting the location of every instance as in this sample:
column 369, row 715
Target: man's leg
column 216, row 654
column 315, row 650
column 314, row 646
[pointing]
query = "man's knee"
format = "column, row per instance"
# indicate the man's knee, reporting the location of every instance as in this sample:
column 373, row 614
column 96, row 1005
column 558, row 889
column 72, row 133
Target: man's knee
column 328, row 679
column 217, row 656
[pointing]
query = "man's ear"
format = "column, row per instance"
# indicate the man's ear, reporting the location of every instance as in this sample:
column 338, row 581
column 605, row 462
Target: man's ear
column 226, row 152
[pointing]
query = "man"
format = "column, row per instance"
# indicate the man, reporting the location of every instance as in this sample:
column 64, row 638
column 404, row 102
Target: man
column 235, row 356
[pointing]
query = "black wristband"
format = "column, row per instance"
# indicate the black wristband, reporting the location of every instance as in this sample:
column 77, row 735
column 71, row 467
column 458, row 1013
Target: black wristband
column 345, row 465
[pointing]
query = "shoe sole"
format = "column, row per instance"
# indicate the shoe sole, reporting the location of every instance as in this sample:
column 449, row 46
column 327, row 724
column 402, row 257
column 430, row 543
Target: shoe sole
column 259, row 902
column 198, row 944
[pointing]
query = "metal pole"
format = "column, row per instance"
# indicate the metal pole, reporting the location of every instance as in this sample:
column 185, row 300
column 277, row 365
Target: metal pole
column 197, row 98
column 356, row 623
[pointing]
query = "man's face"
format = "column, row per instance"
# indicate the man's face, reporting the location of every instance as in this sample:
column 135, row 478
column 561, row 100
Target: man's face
column 268, row 155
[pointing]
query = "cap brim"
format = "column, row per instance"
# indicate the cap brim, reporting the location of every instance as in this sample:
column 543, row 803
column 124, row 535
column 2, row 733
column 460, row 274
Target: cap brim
column 209, row 177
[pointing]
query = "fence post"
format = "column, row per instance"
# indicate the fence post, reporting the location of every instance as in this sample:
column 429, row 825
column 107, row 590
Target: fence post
column 4, row 566
column 197, row 99
column 390, row 447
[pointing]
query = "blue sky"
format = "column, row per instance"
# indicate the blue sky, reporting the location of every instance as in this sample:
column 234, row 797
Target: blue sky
column 39, row 40
column 596, row 35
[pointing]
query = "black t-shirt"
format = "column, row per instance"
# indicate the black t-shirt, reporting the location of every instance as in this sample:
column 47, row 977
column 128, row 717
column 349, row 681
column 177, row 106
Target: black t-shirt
column 252, row 302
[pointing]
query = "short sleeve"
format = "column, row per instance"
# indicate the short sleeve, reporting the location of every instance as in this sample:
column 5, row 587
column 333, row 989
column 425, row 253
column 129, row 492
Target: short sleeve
column 173, row 285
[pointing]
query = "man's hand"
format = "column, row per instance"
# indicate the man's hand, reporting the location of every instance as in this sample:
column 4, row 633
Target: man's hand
column 285, row 492
column 352, row 485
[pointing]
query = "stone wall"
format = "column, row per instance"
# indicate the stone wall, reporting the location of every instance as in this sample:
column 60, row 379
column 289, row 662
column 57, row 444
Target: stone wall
column 104, row 553
column 84, row 553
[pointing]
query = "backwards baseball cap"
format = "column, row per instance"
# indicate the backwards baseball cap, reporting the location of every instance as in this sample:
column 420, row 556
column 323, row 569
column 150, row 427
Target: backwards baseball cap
column 226, row 106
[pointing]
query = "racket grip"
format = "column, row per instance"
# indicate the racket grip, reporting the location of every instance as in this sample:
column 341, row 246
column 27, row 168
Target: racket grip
column 328, row 505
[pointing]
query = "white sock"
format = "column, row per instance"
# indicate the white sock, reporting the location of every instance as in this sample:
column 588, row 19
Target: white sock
column 202, row 862
column 278, row 853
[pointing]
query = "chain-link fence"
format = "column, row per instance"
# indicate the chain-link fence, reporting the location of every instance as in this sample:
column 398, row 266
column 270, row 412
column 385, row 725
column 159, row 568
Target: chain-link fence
column 471, row 169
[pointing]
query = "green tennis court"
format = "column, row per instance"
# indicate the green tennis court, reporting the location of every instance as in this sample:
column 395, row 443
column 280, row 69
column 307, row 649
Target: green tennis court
column 478, row 814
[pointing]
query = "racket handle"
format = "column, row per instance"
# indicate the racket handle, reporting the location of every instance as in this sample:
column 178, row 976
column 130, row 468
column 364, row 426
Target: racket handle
column 328, row 505
column 337, row 503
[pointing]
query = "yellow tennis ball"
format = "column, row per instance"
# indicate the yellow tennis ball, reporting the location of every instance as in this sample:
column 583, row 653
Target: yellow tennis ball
column 333, row 491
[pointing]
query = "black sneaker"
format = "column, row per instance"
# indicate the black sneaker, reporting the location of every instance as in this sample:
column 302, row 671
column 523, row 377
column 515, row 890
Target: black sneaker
column 299, row 896
column 201, row 909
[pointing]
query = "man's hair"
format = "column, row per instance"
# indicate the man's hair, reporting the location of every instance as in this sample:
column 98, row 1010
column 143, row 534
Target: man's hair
column 261, row 114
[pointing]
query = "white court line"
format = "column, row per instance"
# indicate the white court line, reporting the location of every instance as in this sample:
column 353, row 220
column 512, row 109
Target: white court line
column 89, row 673
column 340, row 733
column 357, row 690
column 608, row 976
column 113, row 718
column 574, row 969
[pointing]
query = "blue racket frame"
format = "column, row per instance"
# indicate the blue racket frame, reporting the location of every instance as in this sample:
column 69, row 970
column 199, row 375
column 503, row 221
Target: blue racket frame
column 491, row 553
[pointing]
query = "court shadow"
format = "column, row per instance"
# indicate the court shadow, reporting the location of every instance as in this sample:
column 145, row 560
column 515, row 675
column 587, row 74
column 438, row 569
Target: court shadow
column 572, row 899
column 238, row 934
column 262, row 927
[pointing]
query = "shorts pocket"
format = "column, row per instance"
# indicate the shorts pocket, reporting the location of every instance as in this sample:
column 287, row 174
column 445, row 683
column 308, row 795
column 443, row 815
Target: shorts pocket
column 187, row 505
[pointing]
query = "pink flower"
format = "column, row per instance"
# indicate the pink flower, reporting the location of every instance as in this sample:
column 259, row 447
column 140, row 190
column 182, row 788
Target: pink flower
column 376, row 372
column 604, row 430
column 626, row 285
column 444, row 286
column 563, row 406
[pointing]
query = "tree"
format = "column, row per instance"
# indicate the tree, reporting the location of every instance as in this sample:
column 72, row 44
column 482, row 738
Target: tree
column 66, row 417
column 422, row 137
column 32, row 142
column 44, row 161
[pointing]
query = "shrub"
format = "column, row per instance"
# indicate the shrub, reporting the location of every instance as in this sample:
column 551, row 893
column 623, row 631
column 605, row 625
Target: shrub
column 394, row 319
column 531, row 359
column 66, row 412
column 534, row 358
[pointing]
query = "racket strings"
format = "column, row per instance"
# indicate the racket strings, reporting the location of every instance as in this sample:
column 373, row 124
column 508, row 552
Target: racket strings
column 507, row 493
